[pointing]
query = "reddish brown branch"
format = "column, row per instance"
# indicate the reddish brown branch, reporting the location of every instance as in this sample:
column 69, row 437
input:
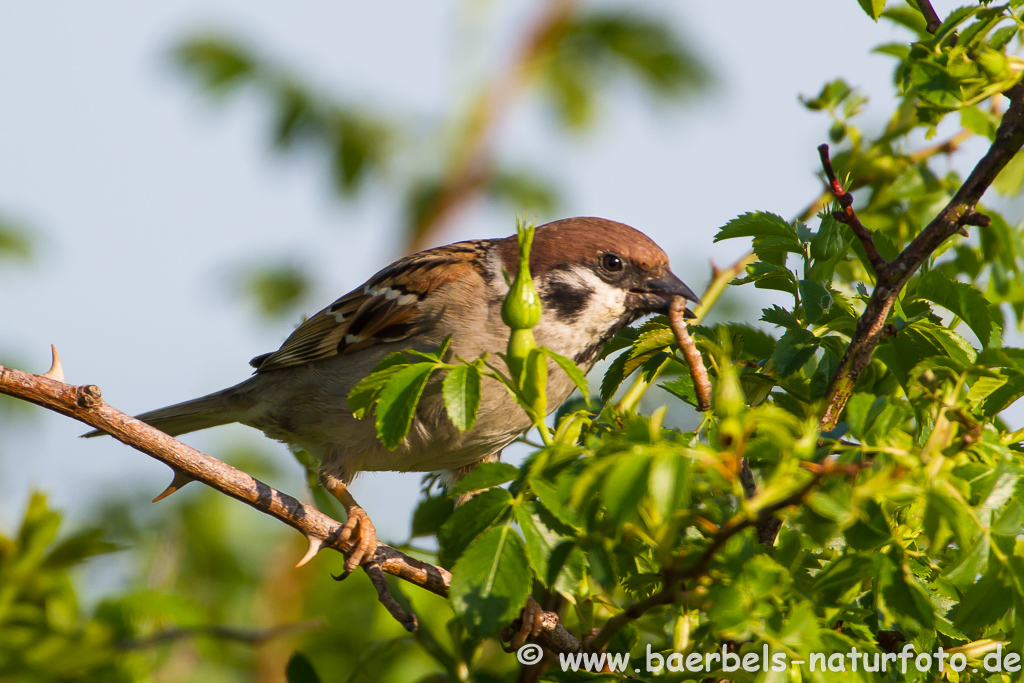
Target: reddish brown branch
column 85, row 404
column 699, row 374
column 959, row 212
column 849, row 216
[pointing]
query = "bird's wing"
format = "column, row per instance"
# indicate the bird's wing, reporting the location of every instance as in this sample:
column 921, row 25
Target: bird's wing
column 388, row 308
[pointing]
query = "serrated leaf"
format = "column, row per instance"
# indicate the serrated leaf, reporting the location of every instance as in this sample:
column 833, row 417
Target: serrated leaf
column 365, row 392
column 397, row 402
column 540, row 539
column 682, row 387
column 486, row 475
column 614, row 376
column 461, row 391
column 572, row 370
column 777, row 315
column 759, row 224
column 490, row 582
column 793, row 350
column 961, row 299
column 469, row 520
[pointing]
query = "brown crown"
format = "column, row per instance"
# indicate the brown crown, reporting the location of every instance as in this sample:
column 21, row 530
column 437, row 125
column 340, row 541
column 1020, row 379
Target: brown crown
column 582, row 240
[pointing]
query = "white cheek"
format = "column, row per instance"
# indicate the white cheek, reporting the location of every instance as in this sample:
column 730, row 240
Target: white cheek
column 603, row 309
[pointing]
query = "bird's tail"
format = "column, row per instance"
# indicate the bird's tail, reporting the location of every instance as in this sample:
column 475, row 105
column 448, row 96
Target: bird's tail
column 212, row 410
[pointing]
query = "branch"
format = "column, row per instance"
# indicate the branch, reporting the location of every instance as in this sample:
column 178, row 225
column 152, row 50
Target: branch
column 85, row 404
column 929, row 15
column 241, row 635
column 701, row 567
column 698, row 373
column 959, row 212
column 849, row 216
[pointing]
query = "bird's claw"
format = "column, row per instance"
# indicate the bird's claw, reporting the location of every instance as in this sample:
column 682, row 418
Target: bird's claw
column 359, row 529
column 532, row 620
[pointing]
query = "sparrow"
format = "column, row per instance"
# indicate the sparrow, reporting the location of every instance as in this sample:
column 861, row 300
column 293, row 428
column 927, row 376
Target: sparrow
column 594, row 276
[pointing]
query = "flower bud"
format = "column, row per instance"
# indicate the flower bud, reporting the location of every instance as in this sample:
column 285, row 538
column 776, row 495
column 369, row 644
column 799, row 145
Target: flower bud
column 522, row 309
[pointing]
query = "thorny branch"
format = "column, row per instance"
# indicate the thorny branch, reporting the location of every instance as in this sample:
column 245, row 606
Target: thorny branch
column 959, row 212
column 85, row 404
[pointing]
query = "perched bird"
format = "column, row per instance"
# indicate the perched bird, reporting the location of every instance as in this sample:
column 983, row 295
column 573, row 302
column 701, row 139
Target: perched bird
column 594, row 277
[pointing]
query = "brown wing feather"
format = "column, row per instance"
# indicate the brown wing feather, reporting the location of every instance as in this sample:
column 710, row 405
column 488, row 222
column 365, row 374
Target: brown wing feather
column 388, row 308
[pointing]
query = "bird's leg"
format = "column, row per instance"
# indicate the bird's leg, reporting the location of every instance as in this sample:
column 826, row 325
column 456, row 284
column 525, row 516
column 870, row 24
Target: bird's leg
column 358, row 526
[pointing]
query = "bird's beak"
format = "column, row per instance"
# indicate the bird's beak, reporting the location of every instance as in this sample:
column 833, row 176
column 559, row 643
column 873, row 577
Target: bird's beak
column 656, row 294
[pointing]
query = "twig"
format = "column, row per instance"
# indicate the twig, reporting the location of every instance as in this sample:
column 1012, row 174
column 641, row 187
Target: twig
column 929, row 15
column 241, row 635
column 960, row 211
column 671, row 592
column 85, row 404
column 849, row 216
column 698, row 372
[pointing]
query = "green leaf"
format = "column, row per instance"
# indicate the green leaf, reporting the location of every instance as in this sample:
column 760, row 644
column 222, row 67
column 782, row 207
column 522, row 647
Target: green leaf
column 398, row 400
column 959, row 298
column 682, row 387
column 430, row 514
column 486, row 475
column 469, row 520
column 14, row 242
column 461, row 390
column 79, row 547
column 300, row 670
column 218, row 64
column 540, row 539
column 817, row 299
column 1010, row 180
column 984, row 604
column 873, row 8
column 902, row 599
column 625, row 485
column 365, row 392
column 572, row 370
column 759, row 224
column 793, row 350
column 490, row 582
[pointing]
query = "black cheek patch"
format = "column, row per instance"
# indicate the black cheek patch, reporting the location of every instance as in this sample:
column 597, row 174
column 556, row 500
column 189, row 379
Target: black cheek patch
column 565, row 300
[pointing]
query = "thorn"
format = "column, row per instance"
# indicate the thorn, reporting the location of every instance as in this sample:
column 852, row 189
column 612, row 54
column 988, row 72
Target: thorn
column 56, row 371
column 180, row 479
column 315, row 544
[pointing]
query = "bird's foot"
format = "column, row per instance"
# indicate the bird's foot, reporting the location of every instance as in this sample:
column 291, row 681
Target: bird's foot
column 532, row 620
column 359, row 529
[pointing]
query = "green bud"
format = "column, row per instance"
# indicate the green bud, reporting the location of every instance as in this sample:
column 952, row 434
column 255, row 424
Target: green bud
column 521, row 309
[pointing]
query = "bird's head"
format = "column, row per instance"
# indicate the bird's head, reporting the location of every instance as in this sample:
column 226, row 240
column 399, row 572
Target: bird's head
column 595, row 276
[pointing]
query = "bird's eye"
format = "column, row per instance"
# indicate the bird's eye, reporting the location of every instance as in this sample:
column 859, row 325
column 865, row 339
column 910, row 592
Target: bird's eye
column 611, row 262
